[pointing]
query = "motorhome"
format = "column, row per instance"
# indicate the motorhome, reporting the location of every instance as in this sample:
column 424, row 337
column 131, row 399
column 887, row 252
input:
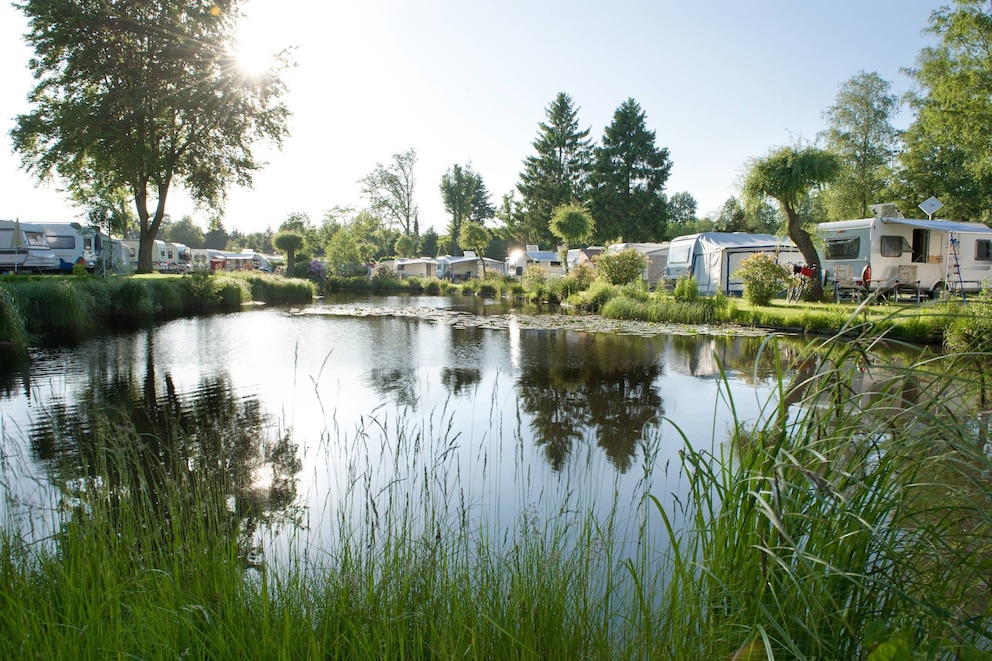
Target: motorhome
column 891, row 253
column 159, row 261
column 466, row 266
column 713, row 258
column 518, row 261
column 23, row 247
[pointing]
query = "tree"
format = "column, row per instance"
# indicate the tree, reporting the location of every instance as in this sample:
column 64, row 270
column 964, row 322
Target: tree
column 186, row 232
column 389, row 189
column 621, row 267
column 405, row 245
column 571, row 223
column 429, row 243
column 475, row 237
column 466, row 199
column 629, row 179
column 682, row 209
column 143, row 94
column 948, row 153
column 288, row 242
column 732, row 217
column 860, row 132
column 557, row 174
column 789, row 175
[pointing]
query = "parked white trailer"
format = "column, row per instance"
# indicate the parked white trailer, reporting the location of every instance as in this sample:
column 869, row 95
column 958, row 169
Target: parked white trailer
column 713, row 258
column 23, row 247
column 74, row 244
column 899, row 254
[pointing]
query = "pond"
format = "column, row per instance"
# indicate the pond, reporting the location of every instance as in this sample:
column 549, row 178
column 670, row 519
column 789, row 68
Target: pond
column 340, row 416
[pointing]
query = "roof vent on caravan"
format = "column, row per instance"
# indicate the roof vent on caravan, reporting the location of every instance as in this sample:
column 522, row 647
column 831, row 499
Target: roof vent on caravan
column 886, row 210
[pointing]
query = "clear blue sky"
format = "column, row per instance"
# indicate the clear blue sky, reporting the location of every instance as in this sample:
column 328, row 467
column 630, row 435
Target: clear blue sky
column 721, row 81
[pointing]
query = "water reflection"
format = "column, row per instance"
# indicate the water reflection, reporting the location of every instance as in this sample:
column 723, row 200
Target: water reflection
column 125, row 432
column 578, row 385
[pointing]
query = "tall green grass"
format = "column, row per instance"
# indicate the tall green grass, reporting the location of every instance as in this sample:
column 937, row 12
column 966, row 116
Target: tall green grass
column 851, row 521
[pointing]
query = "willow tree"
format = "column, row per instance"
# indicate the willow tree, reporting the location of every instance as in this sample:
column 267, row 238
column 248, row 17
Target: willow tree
column 571, row 223
column 138, row 95
column 789, row 175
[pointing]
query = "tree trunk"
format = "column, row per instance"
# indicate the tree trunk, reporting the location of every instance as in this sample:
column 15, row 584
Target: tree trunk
column 803, row 241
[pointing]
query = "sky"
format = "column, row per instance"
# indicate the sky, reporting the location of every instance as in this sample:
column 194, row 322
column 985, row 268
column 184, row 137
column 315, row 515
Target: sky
column 468, row 83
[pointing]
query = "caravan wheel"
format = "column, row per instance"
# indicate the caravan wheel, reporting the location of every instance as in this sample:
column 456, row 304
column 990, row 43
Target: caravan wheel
column 938, row 291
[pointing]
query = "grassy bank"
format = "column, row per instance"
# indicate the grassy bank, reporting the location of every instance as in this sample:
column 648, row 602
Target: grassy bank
column 41, row 305
column 852, row 521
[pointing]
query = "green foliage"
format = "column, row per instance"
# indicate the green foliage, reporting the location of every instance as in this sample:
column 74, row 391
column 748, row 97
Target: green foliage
column 12, row 329
column 466, row 200
column 947, row 149
column 628, row 179
column 194, row 121
column 790, row 175
column 837, row 495
column 970, row 329
column 572, row 223
column 473, row 236
column 621, row 267
column 859, row 130
column 686, row 288
column 389, row 189
column 595, row 297
column 555, row 175
column 763, row 278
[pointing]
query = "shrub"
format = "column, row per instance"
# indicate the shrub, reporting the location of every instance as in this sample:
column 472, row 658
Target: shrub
column 763, row 278
column 594, row 298
column 971, row 330
column 686, row 288
column 619, row 268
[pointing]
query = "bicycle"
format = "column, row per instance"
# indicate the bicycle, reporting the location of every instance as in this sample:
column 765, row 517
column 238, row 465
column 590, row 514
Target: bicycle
column 802, row 275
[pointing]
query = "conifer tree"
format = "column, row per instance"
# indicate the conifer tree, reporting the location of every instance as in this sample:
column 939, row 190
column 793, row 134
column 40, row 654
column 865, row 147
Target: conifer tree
column 556, row 174
column 629, row 177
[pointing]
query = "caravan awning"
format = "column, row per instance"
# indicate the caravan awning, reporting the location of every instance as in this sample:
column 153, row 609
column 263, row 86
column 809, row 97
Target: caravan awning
column 940, row 225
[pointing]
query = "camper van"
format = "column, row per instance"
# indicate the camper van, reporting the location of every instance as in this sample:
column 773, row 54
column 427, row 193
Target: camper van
column 23, row 247
column 898, row 254
column 713, row 258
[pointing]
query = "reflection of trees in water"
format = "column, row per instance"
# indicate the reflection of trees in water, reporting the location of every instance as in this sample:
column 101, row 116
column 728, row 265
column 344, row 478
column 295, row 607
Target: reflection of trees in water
column 130, row 444
column 399, row 384
column 461, row 380
column 577, row 384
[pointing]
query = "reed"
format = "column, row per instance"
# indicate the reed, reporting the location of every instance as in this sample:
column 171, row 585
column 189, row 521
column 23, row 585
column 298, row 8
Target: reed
column 851, row 520
column 13, row 334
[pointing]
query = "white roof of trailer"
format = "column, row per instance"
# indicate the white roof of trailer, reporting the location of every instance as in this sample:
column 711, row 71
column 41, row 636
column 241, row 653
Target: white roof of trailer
column 938, row 225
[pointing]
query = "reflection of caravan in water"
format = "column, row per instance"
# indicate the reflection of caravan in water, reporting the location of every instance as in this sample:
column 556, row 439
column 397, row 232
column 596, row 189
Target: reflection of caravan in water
column 885, row 253
column 713, row 257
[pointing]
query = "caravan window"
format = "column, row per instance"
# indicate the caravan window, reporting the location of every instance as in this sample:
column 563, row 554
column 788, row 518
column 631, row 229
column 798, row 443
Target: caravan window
column 678, row 254
column 848, row 248
column 894, row 246
column 61, row 242
column 983, row 250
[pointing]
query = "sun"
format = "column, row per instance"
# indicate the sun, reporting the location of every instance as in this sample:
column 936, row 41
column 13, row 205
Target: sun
column 254, row 49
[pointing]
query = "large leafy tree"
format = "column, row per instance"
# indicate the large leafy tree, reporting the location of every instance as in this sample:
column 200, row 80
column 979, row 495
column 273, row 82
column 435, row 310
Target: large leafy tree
column 556, row 174
column 859, row 130
column 389, row 189
column 790, row 175
column 465, row 198
column 137, row 95
column 629, row 178
column 948, row 152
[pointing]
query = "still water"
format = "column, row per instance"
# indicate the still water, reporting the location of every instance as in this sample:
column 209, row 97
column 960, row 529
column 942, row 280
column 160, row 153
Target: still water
column 344, row 413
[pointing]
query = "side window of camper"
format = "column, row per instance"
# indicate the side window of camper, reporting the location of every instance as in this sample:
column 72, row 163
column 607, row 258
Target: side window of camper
column 61, row 242
column 678, row 255
column 894, row 246
column 983, row 250
column 843, row 248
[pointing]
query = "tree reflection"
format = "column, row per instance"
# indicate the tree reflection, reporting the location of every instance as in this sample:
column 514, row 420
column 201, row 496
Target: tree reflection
column 129, row 443
column 579, row 384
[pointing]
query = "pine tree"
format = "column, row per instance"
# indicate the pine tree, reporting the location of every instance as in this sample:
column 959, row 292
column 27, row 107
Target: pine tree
column 629, row 176
column 557, row 174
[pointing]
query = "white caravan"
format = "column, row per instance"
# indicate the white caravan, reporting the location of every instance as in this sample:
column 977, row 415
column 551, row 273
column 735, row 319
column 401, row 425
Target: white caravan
column 75, row 244
column 23, row 247
column 713, row 258
column 902, row 254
